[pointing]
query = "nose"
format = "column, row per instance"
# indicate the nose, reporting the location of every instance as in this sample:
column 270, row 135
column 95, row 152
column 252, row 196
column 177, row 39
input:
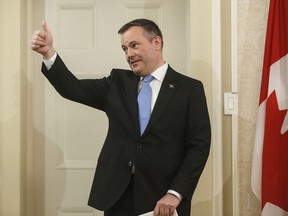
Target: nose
column 129, row 53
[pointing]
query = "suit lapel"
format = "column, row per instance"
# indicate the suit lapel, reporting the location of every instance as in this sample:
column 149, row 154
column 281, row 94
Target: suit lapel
column 168, row 89
column 131, row 93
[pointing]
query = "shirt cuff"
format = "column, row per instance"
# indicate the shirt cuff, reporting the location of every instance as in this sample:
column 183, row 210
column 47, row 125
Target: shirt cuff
column 180, row 197
column 49, row 63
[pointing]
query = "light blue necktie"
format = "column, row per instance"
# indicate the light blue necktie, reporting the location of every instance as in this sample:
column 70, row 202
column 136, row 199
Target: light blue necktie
column 144, row 102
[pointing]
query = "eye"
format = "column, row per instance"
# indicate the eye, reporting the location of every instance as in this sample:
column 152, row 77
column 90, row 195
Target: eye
column 135, row 45
column 124, row 49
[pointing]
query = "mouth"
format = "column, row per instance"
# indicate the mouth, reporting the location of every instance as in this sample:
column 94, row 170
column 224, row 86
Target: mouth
column 133, row 62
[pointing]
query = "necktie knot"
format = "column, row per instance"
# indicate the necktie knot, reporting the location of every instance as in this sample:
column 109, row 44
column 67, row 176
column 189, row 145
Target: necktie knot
column 147, row 79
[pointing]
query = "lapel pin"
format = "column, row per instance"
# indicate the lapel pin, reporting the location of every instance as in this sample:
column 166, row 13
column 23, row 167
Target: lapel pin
column 171, row 86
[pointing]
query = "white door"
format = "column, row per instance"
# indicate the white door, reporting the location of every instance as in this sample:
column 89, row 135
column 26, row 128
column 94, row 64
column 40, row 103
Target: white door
column 85, row 36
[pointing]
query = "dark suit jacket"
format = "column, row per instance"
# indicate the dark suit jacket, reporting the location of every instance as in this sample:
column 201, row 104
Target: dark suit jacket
column 172, row 152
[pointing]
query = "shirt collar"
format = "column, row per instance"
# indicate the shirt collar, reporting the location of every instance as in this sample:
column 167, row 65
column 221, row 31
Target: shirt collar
column 160, row 72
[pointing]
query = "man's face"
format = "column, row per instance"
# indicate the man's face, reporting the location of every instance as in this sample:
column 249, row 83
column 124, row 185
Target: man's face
column 142, row 55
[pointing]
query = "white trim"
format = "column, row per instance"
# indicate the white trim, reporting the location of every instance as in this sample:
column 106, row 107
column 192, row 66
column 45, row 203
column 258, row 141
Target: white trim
column 30, row 174
column 217, row 109
column 83, row 210
column 234, row 84
column 77, row 165
column 188, row 36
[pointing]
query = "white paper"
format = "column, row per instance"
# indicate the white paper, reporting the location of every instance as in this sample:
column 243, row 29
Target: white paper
column 151, row 213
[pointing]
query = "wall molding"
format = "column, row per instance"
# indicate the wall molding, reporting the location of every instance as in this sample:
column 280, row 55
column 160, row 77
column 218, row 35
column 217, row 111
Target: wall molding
column 217, row 109
column 234, row 86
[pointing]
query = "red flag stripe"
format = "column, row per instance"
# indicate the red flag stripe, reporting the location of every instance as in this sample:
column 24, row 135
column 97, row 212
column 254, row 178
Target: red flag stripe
column 276, row 40
column 270, row 159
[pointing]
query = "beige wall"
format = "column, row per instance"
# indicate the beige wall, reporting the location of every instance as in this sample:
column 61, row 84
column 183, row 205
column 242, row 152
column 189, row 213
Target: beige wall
column 15, row 91
column 201, row 68
column 12, row 108
column 252, row 19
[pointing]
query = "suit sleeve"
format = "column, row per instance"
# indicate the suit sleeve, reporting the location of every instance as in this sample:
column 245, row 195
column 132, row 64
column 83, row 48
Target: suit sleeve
column 91, row 92
column 198, row 144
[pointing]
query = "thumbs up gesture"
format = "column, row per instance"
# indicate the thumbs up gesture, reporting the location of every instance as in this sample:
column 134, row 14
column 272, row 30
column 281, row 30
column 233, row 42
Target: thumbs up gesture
column 42, row 42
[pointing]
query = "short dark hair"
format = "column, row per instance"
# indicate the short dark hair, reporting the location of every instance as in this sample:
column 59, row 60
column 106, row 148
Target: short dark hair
column 151, row 29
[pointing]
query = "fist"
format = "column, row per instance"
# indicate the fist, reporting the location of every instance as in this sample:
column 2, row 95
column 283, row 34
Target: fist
column 42, row 42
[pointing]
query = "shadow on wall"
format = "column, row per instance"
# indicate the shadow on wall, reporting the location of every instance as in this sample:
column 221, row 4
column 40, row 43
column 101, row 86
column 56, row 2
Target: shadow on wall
column 45, row 177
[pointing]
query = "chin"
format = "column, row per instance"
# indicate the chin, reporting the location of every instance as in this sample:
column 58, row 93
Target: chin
column 138, row 73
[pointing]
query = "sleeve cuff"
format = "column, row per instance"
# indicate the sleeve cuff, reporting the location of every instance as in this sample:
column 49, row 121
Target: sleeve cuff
column 180, row 197
column 49, row 63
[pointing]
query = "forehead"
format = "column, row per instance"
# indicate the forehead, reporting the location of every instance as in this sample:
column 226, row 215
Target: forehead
column 135, row 33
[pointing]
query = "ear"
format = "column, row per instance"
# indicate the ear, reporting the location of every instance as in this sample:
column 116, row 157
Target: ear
column 157, row 42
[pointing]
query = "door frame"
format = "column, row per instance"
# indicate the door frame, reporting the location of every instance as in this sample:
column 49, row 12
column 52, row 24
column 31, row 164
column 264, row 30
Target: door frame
column 35, row 14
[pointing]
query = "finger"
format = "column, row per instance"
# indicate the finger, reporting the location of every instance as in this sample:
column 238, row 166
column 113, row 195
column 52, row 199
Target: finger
column 34, row 47
column 38, row 43
column 35, row 44
column 156, row 211
column 162, row 211
column 44, row 26
column 36, row 39
column 39, row 35
column 172, row 211
column 167, row 212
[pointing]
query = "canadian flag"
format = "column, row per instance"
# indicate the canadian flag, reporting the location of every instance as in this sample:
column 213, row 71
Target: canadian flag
column 270, row 158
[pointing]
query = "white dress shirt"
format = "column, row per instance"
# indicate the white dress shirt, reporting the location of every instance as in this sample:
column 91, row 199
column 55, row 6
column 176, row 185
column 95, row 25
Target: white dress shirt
column 156, row 83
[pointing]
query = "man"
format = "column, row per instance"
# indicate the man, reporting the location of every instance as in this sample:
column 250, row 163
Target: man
column 141, row 168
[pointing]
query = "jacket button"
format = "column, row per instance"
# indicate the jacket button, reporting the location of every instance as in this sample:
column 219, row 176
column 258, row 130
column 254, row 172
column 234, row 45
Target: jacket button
column 130, row 163
column 139, row 146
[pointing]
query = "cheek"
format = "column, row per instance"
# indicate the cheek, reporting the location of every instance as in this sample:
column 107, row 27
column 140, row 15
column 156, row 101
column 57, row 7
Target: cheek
column 145, row 55
column 150, row 57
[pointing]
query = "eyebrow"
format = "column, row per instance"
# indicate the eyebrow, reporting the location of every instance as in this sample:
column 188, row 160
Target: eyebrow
column 132, row 42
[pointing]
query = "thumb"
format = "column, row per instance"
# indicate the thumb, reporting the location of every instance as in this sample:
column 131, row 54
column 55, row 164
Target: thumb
column 44, row 26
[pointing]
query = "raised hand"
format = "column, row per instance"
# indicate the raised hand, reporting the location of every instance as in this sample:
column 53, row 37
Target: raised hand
column 42, row 42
